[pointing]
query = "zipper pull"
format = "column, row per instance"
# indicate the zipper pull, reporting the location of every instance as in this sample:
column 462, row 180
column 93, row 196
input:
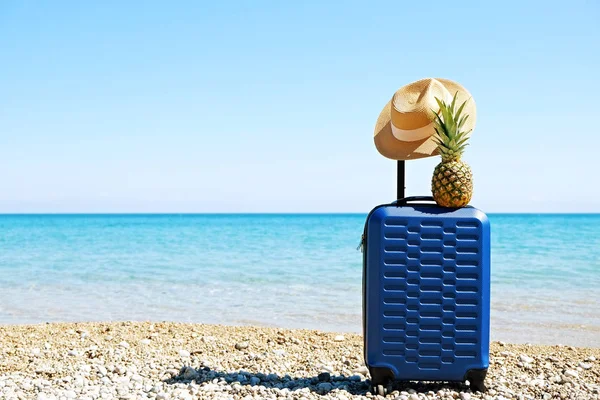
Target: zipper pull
column 362, row 241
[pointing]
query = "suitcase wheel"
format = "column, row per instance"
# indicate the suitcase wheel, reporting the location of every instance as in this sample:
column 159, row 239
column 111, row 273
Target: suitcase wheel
column 476, row 378
column 381, row 379
column 381, row 390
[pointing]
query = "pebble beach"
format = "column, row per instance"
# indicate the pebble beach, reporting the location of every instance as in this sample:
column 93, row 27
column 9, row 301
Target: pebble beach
column 164, row 361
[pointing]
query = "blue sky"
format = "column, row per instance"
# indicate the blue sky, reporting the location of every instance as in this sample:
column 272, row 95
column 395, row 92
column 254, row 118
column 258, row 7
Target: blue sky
column 269, row 106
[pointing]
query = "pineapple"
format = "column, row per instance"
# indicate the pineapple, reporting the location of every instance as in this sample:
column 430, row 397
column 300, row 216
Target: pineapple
column 452, row 181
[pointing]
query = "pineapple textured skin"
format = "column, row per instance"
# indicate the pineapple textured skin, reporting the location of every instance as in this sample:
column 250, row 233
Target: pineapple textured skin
column 452, row 184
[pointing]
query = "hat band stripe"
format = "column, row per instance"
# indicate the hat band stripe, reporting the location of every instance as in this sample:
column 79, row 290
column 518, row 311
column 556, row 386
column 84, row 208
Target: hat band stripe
column 412, row 135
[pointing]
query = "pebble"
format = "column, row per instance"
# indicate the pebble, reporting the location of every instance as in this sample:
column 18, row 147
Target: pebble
column 571, row 373
column 189, row 373
column 526, row 359
column 184, row 353
column 254, row 381
column 339, row 338
column 413, row 396
column 465, row 396
column 327, row 368
column 145, row 341
column 585, row 366
column 119, row 369
column 324, row 377
column 324, row 387
column 241, row 345
column 124, row 345
column 591, row 358
column 364, row 371
column 73, row 353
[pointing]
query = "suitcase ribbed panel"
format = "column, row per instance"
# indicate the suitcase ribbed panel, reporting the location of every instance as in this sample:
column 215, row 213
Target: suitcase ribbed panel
column 430, row 295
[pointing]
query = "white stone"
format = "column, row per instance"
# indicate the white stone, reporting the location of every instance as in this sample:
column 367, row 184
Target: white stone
column 101, row 370
column 364, row 371
column 184, row 353
column 526, row 359
column 465, row 396
column 536, row 382
column 413, row 396
column 119, row 369
column 591, row 358
column 279, row 352
column 211, row 387
column 124, row 345
column 327, row 368
column 585, row 366
column 339, row 338
column 145, row 341
column 35, row 352
column 572, row 374
column 69, row 394
column 242, row 345
column 73, row 353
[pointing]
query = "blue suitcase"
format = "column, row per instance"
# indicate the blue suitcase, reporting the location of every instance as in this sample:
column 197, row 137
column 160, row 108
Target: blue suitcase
column 426, row 293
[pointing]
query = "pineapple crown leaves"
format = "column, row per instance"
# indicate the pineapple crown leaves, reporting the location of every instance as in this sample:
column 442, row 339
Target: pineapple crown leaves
column 450, row 138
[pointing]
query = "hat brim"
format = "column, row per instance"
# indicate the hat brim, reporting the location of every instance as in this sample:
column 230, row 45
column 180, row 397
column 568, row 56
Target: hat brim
column 390, row 147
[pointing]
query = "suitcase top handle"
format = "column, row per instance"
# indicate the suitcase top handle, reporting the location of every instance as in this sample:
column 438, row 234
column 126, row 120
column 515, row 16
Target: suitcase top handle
column 413, row 199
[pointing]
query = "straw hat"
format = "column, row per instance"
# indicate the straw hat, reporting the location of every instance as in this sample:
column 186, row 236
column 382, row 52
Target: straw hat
column 405, row 126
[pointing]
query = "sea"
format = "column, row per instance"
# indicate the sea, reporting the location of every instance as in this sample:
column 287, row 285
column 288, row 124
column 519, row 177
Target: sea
column 293, row 271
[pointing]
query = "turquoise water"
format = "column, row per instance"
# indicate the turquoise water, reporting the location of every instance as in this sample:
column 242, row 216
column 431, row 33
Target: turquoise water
column 300, row 271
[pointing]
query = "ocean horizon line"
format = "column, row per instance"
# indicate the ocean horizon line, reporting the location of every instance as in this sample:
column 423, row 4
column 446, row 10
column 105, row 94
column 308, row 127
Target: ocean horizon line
column 259, row 213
